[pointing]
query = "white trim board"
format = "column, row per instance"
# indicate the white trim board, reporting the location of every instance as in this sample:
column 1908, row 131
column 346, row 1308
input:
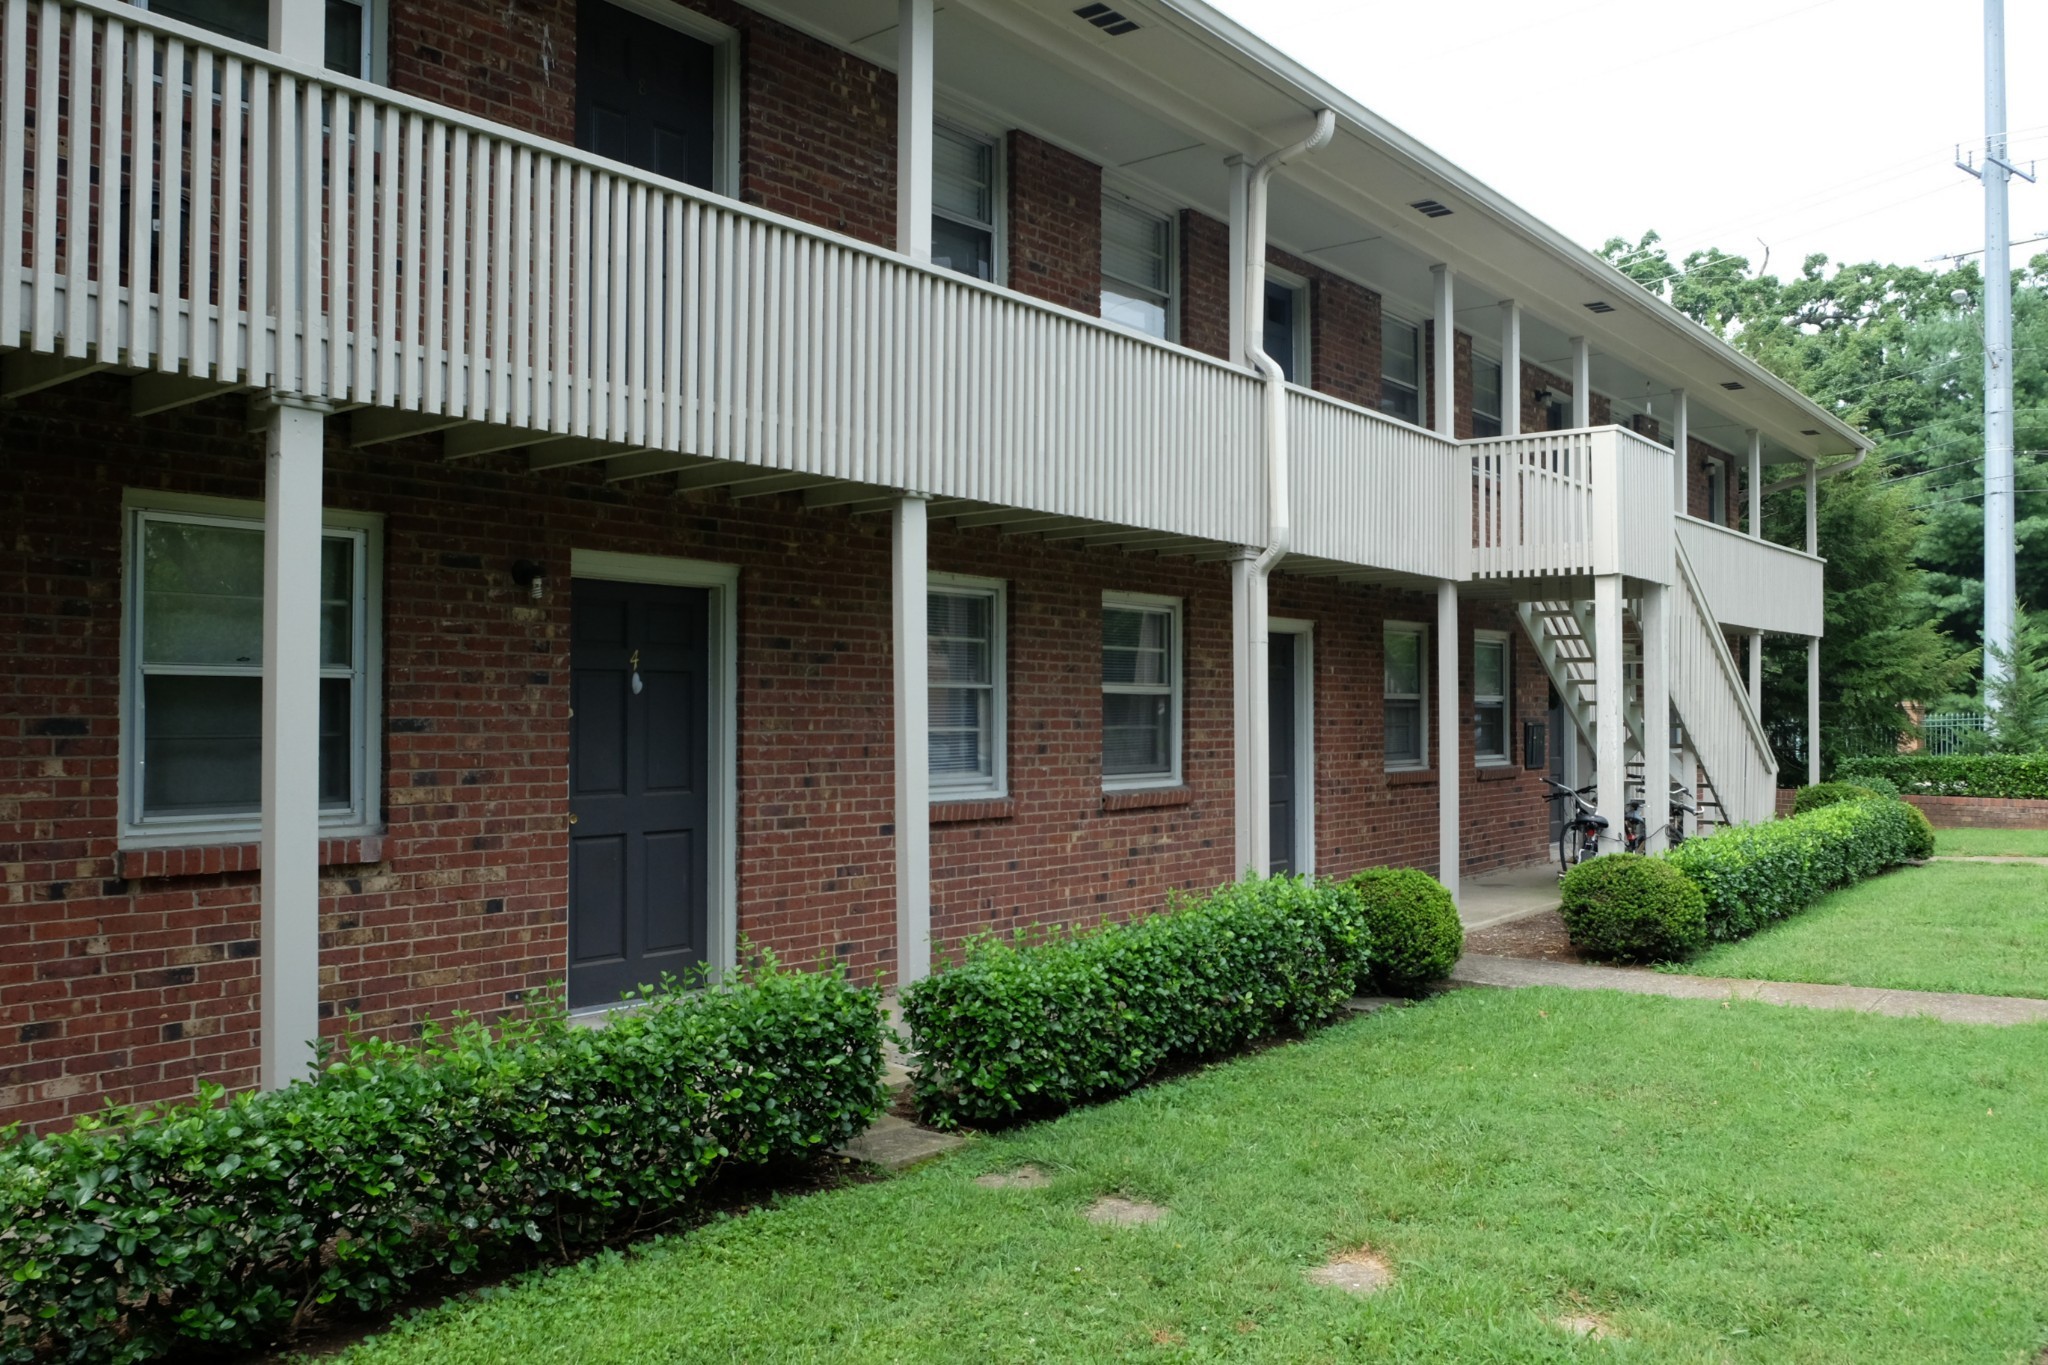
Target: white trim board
column 1304, row 738
column 723, row 580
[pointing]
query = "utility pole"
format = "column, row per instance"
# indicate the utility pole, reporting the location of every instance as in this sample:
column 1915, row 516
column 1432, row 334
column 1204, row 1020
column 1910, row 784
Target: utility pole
column 2001, row 573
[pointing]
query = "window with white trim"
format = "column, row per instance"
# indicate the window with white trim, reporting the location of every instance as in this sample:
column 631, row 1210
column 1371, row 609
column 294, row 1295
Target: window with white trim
column 963, row 202
column 353, row 26
column 1490, row 682
column 1141, row 685
column 1400, row 369
column 192, row 654
column 1717, row 492
column 1405, row 716
column 1485, row 396
column 966, row 695
column 1287, row 324
column 1137, row 268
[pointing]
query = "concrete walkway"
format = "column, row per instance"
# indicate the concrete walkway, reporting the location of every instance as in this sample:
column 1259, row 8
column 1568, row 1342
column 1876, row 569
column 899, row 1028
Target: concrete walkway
column 1478, row 970
column 1511, row 894
column 1987, row 858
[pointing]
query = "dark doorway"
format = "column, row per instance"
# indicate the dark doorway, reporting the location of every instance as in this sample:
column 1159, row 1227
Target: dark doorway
column 1280, row 730
column 645, row 93
column 1560, row 735
column 639, row 775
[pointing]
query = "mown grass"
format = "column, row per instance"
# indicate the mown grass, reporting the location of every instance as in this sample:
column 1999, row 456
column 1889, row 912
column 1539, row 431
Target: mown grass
column 1731, row 1182
column 1976, row 927
column 1991, row 843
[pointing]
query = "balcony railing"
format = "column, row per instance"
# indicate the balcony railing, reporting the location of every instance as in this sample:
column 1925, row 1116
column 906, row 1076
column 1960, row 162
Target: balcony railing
column 1752, row 584
column 1567, row 503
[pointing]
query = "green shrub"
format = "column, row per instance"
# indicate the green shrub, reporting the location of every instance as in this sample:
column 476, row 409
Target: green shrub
column 2009, row 776
column 1883, row 786
column 1633, row 909
column 1754, row 874
column 1828, row 793
column 1023, row 1028
column 1416, row 936
column 207, row 1227
column 1920, row 844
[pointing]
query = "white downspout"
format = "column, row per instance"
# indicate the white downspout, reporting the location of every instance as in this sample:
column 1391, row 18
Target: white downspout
column 1249, row 574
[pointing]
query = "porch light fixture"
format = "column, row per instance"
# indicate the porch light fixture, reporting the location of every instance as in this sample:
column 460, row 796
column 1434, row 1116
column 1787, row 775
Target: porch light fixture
column 1599, row 306
column 1430, row 208
column 1107, row 19
column 530, row 575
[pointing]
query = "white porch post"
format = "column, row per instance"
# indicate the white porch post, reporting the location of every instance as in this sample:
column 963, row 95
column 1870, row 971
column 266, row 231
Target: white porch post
column 1450, row 732
column 289, row 928
column 1681, row 461
column 1812, row 508
column 913, row 129
column 908, row 590
column 1812, row 710
column 1252, row 776
column 1756, row 485
column 1510, row 368
column 1756, row 672
column 1610, row 699
column 1241, row 319
column 1582, row 383
column 1656, row 713
column 298, row 29
column 1443, row 286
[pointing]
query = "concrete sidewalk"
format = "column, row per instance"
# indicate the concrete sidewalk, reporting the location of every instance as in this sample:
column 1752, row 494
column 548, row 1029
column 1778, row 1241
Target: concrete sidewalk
column 1479, row 970
column 1512, row 894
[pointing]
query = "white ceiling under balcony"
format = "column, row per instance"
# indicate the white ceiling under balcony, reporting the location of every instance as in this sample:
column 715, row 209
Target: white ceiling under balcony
column 1165, row 104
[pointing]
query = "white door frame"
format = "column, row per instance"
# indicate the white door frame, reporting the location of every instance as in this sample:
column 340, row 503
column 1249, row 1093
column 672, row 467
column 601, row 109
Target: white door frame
column 1304, row 737
column 723, row 581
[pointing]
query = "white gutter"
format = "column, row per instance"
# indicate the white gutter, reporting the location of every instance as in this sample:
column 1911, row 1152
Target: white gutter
column 1821, row 471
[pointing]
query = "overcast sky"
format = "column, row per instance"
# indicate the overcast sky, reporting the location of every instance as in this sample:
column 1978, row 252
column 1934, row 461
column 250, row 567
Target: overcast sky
column 1815, row 125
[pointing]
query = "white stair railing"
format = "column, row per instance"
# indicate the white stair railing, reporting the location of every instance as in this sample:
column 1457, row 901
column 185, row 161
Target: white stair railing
column 1713, row 703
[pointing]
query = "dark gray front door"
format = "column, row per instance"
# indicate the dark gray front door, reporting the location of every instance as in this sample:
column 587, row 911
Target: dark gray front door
column 1560, row 735
column 644, row 93
column 638, row 786
column 1280, row 650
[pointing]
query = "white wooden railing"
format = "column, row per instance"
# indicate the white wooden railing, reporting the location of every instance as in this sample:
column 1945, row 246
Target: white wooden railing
column 1565, row 503
column 409, row 257
column 1713, row 701
column 1752, row 584
column 1370, row 490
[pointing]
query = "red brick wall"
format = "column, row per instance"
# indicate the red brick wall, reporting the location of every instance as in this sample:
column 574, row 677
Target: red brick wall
column 1055, row 224
column 1461, row 370
column 1982, row 812
column 1205, row 284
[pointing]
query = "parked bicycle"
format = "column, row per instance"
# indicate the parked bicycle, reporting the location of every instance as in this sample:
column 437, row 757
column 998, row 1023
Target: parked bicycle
column 1635, row 829
column 1580, row 838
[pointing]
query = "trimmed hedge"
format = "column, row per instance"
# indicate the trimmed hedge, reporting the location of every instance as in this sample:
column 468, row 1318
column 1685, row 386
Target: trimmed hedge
column 1416, row 935
column 1754, row 874
column 1830, row 793
column 1633, row 909
column 219, row 1226
column 2004, row 776
column 1024, row 1028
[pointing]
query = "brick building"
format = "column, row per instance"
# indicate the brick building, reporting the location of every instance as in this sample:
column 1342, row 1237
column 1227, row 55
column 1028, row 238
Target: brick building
column 576, row 486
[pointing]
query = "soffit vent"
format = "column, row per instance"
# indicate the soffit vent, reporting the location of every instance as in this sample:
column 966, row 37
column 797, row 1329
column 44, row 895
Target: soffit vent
column 1731, row 385
column 1107, row 19
column 1808, row 431
column 1430, row 208
column 1599, row 306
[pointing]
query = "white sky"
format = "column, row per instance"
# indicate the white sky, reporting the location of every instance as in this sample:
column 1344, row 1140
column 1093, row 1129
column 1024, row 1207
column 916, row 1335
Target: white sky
column 1816, row 125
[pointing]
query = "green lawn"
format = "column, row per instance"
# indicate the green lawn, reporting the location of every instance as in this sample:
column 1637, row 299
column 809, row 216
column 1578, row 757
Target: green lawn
column 1732, row 1182
column 1978, row 927
column 1991, row 843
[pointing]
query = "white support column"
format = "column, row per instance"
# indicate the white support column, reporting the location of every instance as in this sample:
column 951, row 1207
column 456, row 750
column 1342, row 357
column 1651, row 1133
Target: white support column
column 1756, row 672
column 1756, row 485
column 1610, row 698
column 289, row 928
column 1444, row 290
column 1812, row 508
column 908, row 592
column 1242, row 314
column 1252, row 767
column 1681, row 459
column 913, row 129
column 1510, row 368
column 298, row 30
column 1813, row 711
column 1656, row 712
column 1582, row 383
column 1450, row 732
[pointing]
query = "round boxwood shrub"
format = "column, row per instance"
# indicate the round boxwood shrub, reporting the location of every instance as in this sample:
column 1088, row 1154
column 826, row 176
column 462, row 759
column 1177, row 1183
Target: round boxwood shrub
column 1829, row 794
column 1416, row 937
column 1633, row 909
column 1883, row 786
column 1920, row 843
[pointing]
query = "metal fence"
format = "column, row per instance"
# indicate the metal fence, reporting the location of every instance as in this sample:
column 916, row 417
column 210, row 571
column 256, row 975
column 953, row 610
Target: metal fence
column 1948, row 732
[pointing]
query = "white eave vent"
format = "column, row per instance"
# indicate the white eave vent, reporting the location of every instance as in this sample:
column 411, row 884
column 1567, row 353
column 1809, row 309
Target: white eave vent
column 1430, row 208
column 1107, row 19
column 1599, row 306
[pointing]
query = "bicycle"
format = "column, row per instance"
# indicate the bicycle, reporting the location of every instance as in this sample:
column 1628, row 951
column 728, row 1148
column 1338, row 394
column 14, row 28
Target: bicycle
column 1635, row 830
column 1588, row 825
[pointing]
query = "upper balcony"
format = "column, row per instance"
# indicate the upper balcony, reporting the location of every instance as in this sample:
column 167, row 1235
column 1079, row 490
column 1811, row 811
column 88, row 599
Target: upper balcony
column 261, row 224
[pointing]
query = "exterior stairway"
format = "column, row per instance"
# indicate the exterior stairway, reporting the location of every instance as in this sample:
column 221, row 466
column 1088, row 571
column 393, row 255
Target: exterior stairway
column 1736, row 769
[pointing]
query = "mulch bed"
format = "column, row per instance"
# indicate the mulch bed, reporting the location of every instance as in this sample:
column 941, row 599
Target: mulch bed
column 1540, row 936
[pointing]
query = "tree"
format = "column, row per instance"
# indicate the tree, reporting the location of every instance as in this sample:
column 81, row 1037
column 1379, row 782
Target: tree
column 2018, row 702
